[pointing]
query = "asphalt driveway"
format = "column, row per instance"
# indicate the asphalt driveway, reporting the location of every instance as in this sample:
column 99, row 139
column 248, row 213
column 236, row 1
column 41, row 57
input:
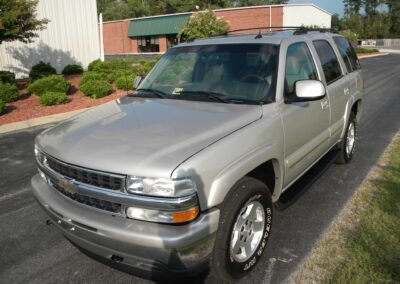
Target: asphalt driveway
column 32, row 252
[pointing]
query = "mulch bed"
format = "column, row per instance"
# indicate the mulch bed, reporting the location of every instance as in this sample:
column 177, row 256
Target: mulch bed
column 28, row 106
column 360, row 55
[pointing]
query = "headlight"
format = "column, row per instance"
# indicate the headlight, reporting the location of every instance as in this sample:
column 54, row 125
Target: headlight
column 160, row 187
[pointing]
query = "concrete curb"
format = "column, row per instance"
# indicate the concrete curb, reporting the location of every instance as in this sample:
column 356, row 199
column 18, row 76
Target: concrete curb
column 373, row 55
column 19, row 125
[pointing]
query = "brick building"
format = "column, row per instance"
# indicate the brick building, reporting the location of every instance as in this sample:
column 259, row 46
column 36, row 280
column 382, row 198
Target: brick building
column 156, row 34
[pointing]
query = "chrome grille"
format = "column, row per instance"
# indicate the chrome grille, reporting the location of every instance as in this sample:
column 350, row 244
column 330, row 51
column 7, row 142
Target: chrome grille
column 94, row 178
column 90, row 201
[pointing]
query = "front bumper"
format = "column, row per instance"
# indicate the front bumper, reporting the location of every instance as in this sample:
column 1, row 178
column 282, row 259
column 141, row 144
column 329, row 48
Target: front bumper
column 146, row 247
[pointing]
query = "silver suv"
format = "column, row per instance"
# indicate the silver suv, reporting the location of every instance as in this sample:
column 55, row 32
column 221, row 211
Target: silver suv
column 182, row 175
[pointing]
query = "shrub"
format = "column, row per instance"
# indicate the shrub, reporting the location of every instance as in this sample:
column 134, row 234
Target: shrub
column 125, row 82
column 90, row 76
column 366, row 50
column 41, row 70
column 92, row 65
column 7, row 77
column 2, row 107
column 72, row 69
column 53, row 83
column 8, row 92
column 53, row 98
column 96, row 88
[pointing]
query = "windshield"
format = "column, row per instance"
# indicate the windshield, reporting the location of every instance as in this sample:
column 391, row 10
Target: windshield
column 234, row 73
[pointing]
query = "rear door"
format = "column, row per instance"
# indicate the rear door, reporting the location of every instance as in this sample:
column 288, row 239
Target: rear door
column 337, row 86
column 305, row 123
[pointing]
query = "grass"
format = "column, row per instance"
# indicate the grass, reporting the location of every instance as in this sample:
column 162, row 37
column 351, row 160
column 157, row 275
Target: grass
column 366, row 50
column 363, row 244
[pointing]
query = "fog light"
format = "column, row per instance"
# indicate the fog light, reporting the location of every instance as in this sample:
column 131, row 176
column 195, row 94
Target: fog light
column 159, row 216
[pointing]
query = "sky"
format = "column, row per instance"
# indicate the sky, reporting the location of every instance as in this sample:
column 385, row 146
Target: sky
column 332, row 6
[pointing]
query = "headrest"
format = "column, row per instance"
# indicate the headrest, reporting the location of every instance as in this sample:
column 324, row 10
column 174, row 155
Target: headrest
column 292, row 66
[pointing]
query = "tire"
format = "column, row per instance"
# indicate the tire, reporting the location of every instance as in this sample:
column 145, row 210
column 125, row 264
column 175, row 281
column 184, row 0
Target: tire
column 348, row 144
column 245, row 220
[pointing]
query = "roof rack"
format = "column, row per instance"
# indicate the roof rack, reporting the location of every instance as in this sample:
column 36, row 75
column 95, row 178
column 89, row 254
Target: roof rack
column 297, row 31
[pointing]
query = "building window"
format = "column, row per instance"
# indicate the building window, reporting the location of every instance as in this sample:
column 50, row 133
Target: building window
column 148, row 44
column 172, row 40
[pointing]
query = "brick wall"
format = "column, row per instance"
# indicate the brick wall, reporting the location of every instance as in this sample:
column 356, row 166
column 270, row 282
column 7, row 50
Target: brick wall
column 116, row 40
column 250, row 18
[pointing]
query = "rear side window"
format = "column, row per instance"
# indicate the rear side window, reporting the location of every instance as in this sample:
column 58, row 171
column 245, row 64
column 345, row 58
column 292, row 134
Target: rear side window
column 329, row 61
column 299, row 66
column 348, row 54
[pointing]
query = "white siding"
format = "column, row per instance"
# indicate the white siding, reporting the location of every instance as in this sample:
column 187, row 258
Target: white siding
column 306, row 15
column 71, row 37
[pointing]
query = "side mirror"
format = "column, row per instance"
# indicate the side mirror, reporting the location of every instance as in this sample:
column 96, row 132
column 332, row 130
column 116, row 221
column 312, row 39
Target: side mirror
column 137, row 81
column 309, row 90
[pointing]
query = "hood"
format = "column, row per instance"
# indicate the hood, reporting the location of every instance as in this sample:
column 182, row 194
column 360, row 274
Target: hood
column 142, row 136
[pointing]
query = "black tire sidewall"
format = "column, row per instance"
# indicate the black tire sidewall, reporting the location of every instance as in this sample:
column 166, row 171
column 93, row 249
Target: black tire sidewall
column 348, row 157
column 247, row 190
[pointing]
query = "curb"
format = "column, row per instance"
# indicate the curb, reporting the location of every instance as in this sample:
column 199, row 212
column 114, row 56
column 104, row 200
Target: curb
column 19, row 125
column 373, row 55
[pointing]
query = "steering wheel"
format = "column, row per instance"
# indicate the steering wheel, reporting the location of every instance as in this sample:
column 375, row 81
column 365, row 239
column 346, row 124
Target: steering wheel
column 263, row 84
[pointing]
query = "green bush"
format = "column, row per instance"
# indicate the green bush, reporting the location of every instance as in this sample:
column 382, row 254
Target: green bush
column 8, row 92
column 90, row 76
column 53, row 83
column 366, row 50
column 2, row 107
column 7, row 77
column 72, row 69
column 96, row 88
column 53, row 98
column 125, row 82
column 92, row 65
column 41, row 70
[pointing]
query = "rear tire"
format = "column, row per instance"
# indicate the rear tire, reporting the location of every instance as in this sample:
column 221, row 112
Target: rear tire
column 244, row 229
column 348, row 145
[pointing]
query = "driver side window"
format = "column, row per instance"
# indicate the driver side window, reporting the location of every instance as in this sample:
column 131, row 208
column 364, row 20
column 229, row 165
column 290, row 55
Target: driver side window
column 299, row 66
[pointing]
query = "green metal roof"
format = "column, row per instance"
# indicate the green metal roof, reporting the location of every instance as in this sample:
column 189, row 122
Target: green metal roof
column 162, row 25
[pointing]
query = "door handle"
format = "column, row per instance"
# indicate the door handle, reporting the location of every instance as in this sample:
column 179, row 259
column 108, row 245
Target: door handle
column 324, row 104
column 346, row 91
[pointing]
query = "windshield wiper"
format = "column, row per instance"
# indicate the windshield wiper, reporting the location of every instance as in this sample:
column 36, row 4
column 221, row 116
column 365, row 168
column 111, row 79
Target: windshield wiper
column 211, row 95
column 155, row 92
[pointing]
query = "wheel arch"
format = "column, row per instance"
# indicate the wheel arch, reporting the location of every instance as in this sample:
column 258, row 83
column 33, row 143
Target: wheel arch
column 268, row 171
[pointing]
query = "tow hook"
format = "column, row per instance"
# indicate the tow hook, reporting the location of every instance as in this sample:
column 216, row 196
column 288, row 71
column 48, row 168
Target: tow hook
column 49, row 222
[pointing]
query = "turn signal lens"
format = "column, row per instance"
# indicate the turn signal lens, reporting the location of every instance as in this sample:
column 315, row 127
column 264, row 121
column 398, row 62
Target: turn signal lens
column 185, row 216
column 159, row 216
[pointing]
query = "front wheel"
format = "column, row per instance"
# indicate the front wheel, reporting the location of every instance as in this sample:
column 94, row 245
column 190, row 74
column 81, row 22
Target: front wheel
column 348, row 144
column 244, row 229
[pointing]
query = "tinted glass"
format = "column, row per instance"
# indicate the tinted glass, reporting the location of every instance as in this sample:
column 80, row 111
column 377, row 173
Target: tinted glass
column 241, row 72
column 329, row 61
column 299, row 66
column 348, row 53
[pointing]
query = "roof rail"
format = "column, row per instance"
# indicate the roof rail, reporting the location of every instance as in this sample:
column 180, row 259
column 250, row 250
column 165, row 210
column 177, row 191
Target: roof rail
column 297, row 31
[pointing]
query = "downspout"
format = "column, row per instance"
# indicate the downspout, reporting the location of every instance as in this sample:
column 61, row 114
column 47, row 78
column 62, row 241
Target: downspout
column 270, row 18
column 101, row 37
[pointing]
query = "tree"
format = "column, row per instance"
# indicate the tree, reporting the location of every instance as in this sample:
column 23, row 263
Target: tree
column 203, row 24
column 336, row 22
column 394, row 12
column 18, row 21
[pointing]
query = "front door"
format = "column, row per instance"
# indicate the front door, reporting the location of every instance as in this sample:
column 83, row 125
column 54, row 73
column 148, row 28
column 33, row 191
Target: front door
column 305, row 123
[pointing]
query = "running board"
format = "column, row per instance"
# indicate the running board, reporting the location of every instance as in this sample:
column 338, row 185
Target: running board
column 302, row 184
